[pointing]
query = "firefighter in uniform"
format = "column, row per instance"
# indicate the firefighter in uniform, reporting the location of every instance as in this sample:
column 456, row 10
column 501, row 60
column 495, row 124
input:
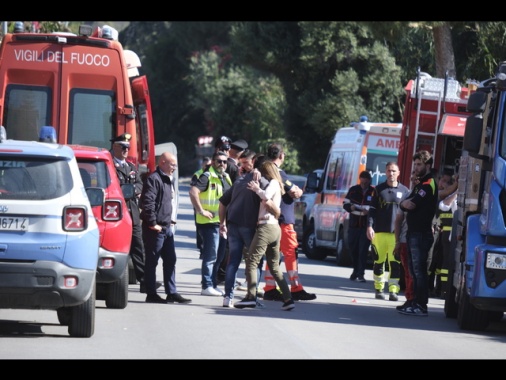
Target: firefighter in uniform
column 441, row 255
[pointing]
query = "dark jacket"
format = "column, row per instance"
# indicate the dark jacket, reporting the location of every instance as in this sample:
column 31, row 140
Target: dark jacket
column 363, row 199
column 425, row 196
column 129, row 174
column 156, row 199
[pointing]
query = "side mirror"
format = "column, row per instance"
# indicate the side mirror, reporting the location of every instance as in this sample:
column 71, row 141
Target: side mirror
column 473, row 133
column 311, row 183
column 96, row 196
column 128, row 191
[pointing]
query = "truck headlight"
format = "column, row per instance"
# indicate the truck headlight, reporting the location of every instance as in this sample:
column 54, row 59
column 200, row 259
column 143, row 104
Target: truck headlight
column 496, row 261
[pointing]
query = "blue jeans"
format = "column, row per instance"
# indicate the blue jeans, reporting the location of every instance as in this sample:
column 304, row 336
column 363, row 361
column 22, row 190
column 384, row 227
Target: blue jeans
column 212, row 253
column 359, row 248
column 238, row 239
column 419, row 244
column 158, row 245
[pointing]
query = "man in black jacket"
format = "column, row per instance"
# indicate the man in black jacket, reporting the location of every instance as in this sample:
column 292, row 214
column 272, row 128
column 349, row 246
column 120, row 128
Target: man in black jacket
column 357, row 203
column 158, row 226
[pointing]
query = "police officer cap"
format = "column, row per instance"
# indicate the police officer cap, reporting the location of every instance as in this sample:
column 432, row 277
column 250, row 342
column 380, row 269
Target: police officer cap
column 239, row 145
column 223, row 143
column 123, row 139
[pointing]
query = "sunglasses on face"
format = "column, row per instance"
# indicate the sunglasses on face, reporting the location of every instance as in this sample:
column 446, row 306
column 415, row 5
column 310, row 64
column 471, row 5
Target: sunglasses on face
column 221, row 161
column 123, row 147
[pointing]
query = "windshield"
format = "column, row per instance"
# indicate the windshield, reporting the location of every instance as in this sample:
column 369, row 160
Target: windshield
column 34, row 178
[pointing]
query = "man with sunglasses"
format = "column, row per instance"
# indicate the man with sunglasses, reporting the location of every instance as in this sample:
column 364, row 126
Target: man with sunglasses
column 128, row 173
column 205, row 193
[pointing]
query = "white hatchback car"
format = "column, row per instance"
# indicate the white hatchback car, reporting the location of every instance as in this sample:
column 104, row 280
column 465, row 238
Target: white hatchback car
column 49, row 238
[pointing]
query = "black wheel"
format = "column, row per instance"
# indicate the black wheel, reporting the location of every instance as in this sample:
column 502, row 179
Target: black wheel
column 82, row 318
column 469, row 317
column 495, row 316
column 342, row 257
column 310, row 249
column 116, row 296
column 451, row 307
column 64, row 314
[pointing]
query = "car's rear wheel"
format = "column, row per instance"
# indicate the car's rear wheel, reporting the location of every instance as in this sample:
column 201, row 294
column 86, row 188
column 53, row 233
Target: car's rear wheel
column 82, row 318
column 116, row 294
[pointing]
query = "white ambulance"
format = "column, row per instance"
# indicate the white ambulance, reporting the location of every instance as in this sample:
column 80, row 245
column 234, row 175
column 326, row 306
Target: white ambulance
column 363, row 146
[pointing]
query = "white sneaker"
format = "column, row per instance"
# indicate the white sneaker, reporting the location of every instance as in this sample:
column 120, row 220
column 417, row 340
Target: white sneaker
column 222, row 293
column 210, row 292
column 227, row 302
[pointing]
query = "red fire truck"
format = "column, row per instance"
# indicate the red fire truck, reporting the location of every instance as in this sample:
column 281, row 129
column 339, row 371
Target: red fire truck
column 434, row 119
column 86, row 86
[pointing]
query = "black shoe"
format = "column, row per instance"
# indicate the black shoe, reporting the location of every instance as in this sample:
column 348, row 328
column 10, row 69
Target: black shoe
column 246, row 302
column 176, row 297
column 415, row 309
column 288, row 305
column 155, row 298
column 142, row 287
column 302, row 295
column 404, row 306
column 273, row 295
column 353, row 277
column 393, row 297
column 361, row 279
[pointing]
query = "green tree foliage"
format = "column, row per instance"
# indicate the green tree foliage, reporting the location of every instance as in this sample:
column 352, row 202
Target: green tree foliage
column 165, row 49
column 331, row 72
column 479, row 48
column 238, row 101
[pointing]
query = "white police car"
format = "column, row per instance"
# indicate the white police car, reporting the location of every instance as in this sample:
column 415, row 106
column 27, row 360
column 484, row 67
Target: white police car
column 49, row 238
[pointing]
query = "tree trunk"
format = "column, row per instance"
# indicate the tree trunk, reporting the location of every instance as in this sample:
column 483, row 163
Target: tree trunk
column 445, row 57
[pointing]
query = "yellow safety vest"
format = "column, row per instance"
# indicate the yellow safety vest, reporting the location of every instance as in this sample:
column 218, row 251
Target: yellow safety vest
column 210, row 199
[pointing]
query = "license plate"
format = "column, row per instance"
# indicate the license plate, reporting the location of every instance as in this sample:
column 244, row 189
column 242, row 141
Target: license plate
column 13, row 224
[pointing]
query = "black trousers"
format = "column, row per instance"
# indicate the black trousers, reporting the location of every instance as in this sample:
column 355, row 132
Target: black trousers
column 137, row 252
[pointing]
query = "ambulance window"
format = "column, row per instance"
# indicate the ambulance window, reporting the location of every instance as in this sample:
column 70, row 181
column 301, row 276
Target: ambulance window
column 376, row 165
column 92, row 117
column 27, row 108
column 334, row 171
column 347, row 172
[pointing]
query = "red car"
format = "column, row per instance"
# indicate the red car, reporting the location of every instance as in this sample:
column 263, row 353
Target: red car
column 114, row 223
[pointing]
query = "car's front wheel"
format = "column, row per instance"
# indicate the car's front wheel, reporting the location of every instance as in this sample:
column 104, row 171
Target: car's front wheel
column 309, row 245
